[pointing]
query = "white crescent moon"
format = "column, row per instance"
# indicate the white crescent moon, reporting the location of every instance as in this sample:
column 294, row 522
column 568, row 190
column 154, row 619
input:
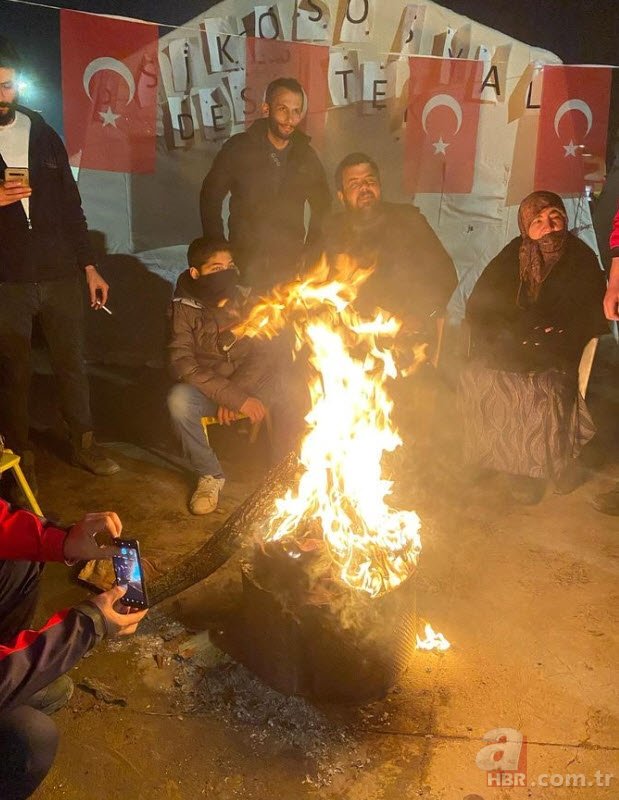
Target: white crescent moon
column 112, row 64
column 574, row 105
column 442, row 100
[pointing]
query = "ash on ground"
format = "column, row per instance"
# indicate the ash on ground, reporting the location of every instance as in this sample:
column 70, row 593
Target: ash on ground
column 207, row 682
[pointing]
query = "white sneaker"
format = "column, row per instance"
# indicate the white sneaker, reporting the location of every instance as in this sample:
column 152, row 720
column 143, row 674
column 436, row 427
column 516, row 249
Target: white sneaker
column 206, row 496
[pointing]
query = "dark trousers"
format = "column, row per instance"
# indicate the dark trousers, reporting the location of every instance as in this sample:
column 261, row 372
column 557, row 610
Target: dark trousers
column 28, row 738
column 59, row 308
column 28, row 744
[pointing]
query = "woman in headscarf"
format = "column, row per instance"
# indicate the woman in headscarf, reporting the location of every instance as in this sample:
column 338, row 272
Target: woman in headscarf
column 531, row 313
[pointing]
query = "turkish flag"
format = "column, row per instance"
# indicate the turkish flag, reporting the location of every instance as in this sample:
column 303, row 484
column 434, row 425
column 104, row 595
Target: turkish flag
column 441, row 124
column 109, row 90
column 573, row 125
column 268, row 59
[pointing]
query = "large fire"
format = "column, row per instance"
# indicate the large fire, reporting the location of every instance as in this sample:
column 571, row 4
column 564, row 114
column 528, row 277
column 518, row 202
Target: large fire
column 341, row 492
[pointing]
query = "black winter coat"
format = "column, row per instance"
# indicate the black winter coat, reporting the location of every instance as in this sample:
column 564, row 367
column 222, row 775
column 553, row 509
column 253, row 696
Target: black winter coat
column 58, row 243
column 266, row 223
column 413, row 273
column 508, row 337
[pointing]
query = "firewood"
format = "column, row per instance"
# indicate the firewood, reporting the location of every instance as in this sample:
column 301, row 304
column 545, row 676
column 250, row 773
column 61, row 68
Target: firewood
column 227, row 539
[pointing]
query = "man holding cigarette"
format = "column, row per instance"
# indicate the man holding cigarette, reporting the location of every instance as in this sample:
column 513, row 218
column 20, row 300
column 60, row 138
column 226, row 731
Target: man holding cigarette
column 44, row 256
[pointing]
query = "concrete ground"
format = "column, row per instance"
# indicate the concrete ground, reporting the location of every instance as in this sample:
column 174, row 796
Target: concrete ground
column 527, row 595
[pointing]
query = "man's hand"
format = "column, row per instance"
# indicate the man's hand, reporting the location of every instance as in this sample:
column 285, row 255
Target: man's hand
column 611, row 303
column 226, row 416
column 611, row 298
column 81, row 544
column 97, row 287
column 253, row 409
column 13, row 192
column 121, row 622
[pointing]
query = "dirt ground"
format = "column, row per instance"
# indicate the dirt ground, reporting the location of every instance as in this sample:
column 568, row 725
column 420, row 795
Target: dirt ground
column 527, row 595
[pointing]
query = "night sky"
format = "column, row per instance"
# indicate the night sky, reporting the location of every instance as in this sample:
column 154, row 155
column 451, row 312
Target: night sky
column 579, row 31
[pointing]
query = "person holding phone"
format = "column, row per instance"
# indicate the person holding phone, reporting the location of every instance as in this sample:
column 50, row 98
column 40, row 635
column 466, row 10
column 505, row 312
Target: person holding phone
column 45, row 254
column 33, row 663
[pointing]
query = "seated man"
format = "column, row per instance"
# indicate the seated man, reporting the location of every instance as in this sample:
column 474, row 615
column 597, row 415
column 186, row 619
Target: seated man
column 414, row 277
column 33, row 664
column 532, row 311
column 218, row 375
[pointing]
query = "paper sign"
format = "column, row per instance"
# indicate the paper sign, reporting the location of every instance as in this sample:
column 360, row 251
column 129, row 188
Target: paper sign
column 344, row 77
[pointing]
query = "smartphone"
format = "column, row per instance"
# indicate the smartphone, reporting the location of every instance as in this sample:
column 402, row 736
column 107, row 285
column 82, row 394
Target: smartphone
column 20, row 174
column 129, row 573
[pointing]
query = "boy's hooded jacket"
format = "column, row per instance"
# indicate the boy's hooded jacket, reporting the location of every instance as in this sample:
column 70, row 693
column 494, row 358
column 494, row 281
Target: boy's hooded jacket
column 203, row 352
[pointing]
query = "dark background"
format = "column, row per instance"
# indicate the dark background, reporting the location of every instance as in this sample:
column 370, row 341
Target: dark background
column 578, row 31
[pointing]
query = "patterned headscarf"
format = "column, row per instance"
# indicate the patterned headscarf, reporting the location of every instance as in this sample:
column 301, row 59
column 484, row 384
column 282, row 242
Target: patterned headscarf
column 538, row 257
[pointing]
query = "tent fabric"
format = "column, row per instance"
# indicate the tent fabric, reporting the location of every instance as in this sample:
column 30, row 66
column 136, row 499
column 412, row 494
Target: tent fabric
column 155, row 216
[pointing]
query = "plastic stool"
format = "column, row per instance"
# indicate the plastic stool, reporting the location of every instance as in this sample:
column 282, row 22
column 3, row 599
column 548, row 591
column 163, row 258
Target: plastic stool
column 10, row 460
column 255, row 428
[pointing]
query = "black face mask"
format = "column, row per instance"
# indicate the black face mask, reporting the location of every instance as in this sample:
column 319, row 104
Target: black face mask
column 217, row 286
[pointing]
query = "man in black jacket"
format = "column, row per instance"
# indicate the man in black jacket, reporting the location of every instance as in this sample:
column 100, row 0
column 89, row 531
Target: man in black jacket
column 270, row 172
column 44, row 256
column 33, row 683
column 414, row 276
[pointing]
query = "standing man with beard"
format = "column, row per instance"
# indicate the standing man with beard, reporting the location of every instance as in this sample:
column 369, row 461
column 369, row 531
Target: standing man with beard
column 413, row 277
column 45, row 255
column 270, row 172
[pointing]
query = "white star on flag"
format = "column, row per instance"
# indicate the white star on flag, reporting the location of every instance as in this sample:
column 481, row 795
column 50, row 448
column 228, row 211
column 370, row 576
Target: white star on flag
column 570, row 149
column 440, row 146
column 108, row 117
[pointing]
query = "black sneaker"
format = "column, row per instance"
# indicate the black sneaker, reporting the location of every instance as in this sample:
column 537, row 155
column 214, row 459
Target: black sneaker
column 87, row 454
column 53, row 697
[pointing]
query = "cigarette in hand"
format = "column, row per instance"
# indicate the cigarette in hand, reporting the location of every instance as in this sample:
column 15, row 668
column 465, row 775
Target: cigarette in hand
column 105, row 308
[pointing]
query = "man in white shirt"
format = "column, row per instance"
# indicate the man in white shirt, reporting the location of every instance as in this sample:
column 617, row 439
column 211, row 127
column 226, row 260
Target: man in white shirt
column 45, row 254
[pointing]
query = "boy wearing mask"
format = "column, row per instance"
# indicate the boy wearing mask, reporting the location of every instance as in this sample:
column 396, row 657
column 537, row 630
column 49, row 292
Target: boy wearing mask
column 218, row 374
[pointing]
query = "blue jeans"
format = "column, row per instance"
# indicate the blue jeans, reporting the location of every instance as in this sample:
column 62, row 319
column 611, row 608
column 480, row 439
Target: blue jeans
column 187, row 405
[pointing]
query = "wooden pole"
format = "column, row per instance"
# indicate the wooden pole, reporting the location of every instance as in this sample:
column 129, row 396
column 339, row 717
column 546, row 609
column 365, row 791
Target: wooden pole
column 227, row 539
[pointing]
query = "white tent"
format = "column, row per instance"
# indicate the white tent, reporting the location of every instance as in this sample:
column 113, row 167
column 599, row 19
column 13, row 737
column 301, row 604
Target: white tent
column 154, row 216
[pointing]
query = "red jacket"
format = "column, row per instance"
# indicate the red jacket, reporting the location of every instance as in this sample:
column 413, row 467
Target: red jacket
column 614, row 237
column 33, row 659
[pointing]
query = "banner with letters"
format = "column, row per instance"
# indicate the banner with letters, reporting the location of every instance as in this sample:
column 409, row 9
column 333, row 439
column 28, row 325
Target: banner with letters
column 462, row 119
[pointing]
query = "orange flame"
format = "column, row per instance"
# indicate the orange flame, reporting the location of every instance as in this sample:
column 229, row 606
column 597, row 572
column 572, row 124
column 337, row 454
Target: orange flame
column 373, row 547
column 433, row 640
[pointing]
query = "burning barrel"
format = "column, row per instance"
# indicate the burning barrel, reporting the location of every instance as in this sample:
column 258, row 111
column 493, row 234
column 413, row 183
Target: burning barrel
column 309, row 634
column 329, row 590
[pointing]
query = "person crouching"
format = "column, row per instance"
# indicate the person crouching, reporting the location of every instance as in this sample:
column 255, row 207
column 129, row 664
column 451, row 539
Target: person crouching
column 218, row 374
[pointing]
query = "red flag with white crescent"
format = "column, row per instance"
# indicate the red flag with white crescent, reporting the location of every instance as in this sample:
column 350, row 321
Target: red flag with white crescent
column 573, row 126
column 441, row 124
column 109, row 91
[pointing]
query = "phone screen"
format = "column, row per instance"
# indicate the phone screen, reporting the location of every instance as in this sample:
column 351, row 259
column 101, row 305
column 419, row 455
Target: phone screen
column 128, row 572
